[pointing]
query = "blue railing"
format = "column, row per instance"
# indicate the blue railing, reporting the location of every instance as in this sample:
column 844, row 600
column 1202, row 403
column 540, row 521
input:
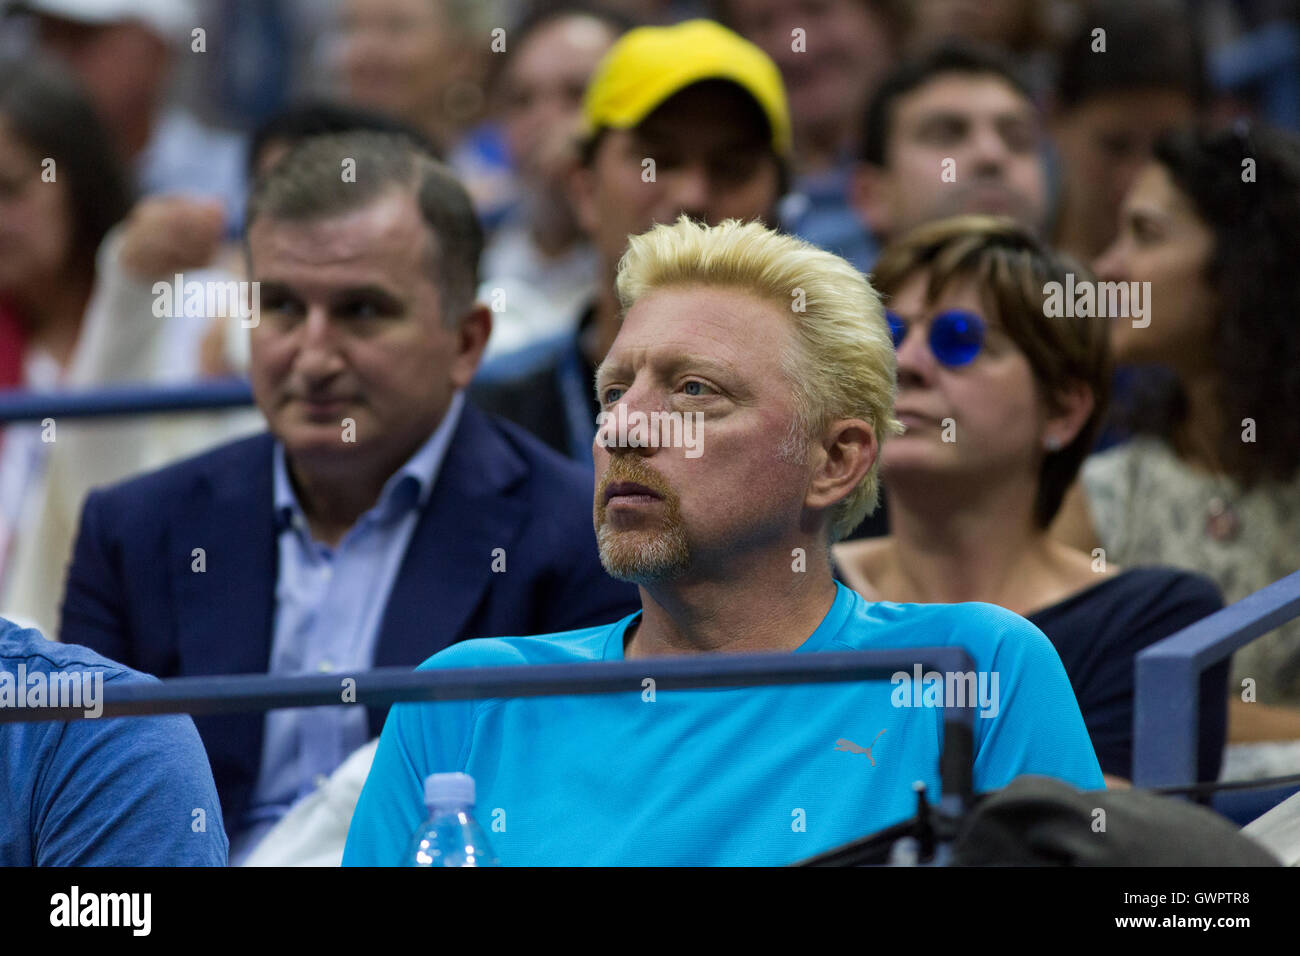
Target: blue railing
column 1168, row 682
column 386, row 686
column 18, row 405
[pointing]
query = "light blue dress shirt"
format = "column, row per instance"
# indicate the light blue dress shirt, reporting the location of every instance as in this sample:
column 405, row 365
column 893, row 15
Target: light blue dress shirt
column 328, row 607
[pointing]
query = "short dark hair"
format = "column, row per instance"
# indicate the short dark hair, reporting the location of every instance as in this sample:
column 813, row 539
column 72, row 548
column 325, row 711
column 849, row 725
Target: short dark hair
column 1011, row 268
column 1149, row 45
column 541, row 12
column 318, row 117
column 49, row 112
column 309, row 184
column 954, row 57
column 1251, row 267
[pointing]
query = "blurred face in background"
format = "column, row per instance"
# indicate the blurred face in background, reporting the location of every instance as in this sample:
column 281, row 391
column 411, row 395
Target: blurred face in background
column 1163, row 241
column 993, row 400
column 712, row 161
column 123, row 66
column 542, row 92
column 35, row 226
column 991, row 133
column 991, row 22
column 397, row 56
column 847, row 48
column 1105, row 141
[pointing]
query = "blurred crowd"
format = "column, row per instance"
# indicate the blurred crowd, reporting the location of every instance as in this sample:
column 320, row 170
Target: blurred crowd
column 1115, row 478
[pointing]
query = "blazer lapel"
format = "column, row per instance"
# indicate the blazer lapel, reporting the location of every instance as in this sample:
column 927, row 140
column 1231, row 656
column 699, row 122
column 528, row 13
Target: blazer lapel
column 226, row 611
column 448, row 564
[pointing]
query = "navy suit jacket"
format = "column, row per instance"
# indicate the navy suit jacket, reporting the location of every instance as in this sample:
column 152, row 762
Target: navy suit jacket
column 132, row 594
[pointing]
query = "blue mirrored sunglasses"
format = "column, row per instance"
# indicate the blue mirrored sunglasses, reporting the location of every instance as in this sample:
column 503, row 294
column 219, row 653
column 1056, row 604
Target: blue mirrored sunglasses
column 956, row 336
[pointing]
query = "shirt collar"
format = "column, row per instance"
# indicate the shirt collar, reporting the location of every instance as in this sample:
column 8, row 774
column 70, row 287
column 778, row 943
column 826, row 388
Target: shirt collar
column 408, row 487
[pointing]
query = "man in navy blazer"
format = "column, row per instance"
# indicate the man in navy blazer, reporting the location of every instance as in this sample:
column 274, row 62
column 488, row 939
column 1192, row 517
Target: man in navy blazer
column 380, row 519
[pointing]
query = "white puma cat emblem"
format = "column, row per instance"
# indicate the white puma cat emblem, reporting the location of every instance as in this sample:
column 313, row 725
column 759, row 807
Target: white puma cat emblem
column 848, row 746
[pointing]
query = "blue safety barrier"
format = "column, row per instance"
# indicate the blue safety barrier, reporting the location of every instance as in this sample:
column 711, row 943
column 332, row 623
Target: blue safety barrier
column 17, row 405
column 386, row 686
column 1167, row 688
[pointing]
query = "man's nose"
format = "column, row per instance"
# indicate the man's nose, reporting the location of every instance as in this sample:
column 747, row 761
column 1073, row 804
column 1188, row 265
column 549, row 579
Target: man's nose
column 628, row 423
column 689, row 190
column 988, row 152
column 318, row 351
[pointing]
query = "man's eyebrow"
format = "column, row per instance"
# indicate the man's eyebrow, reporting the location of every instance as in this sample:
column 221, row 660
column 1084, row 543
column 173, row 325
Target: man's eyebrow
column 668, row 365
column 1019, row 115
column 677, row 363
column 604, row 372
column 943, row 115
column 365, row 291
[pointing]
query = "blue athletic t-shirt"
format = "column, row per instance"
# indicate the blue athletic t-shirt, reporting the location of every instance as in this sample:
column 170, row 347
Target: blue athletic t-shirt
column 750, row 776
column 123, row 791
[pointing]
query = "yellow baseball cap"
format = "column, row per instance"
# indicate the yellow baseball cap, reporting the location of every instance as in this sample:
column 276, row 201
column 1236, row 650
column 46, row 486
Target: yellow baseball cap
column 649, row 64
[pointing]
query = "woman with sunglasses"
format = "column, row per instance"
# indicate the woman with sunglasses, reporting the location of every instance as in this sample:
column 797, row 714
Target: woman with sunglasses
column 1210, row 480
column 1000, row 406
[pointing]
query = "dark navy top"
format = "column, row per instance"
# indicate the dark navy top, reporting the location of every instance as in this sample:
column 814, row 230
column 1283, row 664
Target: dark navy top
column 1098, row 633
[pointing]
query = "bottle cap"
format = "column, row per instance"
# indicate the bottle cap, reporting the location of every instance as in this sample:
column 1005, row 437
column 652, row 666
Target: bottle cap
column 449, row 790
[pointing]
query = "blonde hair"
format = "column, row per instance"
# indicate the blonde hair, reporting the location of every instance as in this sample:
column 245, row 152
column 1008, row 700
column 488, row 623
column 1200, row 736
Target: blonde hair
column 844, row 366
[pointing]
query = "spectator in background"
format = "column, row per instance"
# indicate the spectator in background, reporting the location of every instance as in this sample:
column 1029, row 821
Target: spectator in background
column 684, row 119
column 953, row 131
column 272, row 140
column 832, row 55
column 424, row 62
column 123, row 340
column 61, row 190
column 1022, row 396
column 380, row 518
column 123, row 792
column 1255, row 58
column 1018, row 27
column 1211, row 482
column 123, row 52
column 1111, row 105
column 795, row 406
column 539, row 267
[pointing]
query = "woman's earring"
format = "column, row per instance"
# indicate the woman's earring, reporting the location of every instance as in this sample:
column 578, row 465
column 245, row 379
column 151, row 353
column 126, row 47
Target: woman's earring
column 1052, row 443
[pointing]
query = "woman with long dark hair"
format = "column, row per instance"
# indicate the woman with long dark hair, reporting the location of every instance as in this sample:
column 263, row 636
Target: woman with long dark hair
column 62, row 188
column 1210, row 480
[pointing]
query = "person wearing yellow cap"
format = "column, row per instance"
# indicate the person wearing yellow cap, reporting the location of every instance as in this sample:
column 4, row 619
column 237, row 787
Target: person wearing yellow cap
column 689, row 118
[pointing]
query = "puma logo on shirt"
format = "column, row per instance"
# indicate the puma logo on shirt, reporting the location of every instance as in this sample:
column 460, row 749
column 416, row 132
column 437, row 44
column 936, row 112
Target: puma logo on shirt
column 848, row 746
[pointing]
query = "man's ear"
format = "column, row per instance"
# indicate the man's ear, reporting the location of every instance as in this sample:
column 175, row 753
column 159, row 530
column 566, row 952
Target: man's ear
column 1074, row 403
column 869, row 192
column 842, row 460
column 471, row 339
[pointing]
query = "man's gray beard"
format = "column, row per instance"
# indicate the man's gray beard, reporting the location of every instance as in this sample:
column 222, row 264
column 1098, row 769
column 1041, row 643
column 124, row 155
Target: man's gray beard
column 644, row 557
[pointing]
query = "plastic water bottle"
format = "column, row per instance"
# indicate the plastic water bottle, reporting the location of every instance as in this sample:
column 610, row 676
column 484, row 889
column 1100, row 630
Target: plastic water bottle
column 450, row 836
